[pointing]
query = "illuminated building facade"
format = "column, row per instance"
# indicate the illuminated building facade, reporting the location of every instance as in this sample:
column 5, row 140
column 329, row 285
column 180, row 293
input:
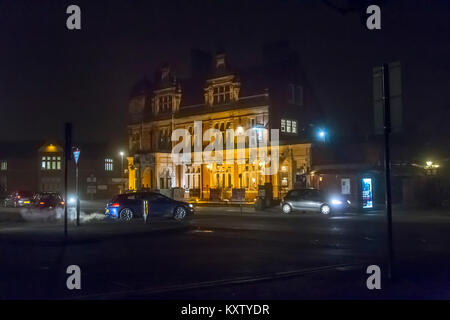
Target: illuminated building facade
column 274, row 95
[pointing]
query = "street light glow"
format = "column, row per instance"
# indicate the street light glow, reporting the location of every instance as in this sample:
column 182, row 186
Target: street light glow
column 322, row 134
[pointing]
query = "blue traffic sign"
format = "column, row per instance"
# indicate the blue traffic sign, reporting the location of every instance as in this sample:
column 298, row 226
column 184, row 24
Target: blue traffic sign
column 76, row 155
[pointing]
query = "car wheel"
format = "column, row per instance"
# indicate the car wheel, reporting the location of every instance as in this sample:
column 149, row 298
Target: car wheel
column 126, row 214
column 286, row 208
column 325, row 209
column 180, row 214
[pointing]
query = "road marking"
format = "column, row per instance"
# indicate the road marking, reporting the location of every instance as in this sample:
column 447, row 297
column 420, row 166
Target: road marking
column 217, row 283
column 200, row 231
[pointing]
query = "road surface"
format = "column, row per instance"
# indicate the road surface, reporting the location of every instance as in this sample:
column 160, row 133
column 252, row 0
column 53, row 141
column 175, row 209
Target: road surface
column 224, row 254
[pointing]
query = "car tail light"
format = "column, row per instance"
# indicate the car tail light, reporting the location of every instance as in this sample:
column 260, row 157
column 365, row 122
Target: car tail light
column 115, row 205
column 41, row 202
column 18, row 197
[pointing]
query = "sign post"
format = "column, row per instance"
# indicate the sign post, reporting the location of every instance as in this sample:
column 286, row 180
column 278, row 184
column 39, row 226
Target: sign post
column 387, row 165
column 76, row 156
column 238, row 194
column 67, row 156
column 387, row 102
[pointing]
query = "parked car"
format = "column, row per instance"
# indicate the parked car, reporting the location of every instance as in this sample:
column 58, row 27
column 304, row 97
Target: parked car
column 18, row 199
column 312, row 200
column 48, row 200
column 131, row 205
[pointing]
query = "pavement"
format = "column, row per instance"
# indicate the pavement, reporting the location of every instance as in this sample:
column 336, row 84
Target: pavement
column 222, row 253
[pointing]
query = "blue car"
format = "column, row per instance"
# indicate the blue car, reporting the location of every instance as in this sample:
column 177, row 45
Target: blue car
column 147, row 205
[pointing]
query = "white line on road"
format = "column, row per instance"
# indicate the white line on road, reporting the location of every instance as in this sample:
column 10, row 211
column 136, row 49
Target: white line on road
column 216, row 283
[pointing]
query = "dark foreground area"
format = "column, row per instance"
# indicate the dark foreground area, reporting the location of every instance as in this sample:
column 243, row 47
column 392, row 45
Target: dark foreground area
column 225, row 254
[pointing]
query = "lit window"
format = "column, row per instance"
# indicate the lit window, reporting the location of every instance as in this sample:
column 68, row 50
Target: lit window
column 108, row 164
column 289, row 126
column 4, row 165
column 43, row 163
column 165, row 103
column 58, row 163
column 221, row 94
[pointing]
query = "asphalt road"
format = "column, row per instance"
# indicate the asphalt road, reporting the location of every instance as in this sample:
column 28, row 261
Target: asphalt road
column 224, row 254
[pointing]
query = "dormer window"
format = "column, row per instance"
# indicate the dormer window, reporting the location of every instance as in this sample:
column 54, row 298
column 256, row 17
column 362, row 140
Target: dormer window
column 221, row 94
column 165, row 103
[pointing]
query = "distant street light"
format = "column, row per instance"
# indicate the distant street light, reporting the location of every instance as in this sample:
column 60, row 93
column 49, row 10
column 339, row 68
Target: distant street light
column 121, row 155
column 431, row 167
column 322, row 134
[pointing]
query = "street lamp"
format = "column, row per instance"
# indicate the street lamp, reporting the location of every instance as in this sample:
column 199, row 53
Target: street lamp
column 431, row 167
column 322, row 135
column 121, row 156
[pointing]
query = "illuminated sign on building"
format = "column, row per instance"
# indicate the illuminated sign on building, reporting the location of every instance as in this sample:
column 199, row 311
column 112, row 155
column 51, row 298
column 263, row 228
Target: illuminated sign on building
column 367, row 194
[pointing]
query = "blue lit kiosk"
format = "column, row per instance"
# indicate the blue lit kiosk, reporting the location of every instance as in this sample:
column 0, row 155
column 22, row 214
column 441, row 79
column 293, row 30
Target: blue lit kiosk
column 361, row 184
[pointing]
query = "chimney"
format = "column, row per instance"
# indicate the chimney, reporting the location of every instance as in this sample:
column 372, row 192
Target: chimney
column 221, row 61
column 165, row 71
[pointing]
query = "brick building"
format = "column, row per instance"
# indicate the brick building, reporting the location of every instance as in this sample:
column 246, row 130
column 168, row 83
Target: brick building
column 273, row 95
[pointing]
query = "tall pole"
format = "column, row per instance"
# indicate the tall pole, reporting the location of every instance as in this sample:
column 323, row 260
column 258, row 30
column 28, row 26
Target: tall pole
column 121, row 172
column 68, row 153
column 122, row 188
column 78, row 196
column 387, row 168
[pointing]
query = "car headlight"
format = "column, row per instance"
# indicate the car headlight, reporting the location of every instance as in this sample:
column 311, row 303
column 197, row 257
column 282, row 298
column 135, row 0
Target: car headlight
column 349, row 202
column 72, row 200
column 336, row 201
column 191, row 205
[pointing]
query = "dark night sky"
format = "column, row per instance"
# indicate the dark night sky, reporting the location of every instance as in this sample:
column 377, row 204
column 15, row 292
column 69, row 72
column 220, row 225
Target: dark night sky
column 49, row 75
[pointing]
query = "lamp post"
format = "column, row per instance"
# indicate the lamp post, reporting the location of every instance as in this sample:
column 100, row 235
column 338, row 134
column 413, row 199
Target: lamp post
column 431, row 168
column 322, row 135
column 121, row 156
column 121, row 153
column 76, row 156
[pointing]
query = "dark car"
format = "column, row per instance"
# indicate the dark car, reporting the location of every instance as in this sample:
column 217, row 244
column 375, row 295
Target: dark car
column 48, row 200
column 18, row 199
column 133, row 205
column 312, row 200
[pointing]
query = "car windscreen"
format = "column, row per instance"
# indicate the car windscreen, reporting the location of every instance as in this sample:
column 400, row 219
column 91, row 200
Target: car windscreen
column 313, row 194
column 50, row 197
column 126, row 196
column 153, row 196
